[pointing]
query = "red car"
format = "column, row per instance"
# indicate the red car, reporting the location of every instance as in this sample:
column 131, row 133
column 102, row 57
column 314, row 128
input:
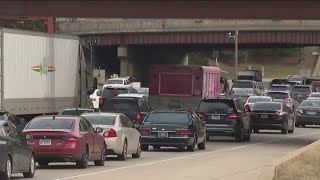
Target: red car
column 65, row 139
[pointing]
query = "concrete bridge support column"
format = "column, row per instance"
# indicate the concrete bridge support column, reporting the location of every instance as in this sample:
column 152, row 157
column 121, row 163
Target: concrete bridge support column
column 126, row 62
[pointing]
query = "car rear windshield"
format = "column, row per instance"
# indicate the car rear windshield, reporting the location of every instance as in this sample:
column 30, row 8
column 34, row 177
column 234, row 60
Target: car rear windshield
column 216, row 106
column 279, row 88
column 239, row 84
column 278, row 81
column 277, row 95
column 315, row 95
column 267, row 106
column 301, row 89
column 309, row 81
column 101, row 119
column 310, row 103
column 111, row 92
column 120, row 106
column 75, row 112
column 50, row 124
column 113, row 81
column 254, row 100
column 167, row 118
column 315, row 83
column 243, row 77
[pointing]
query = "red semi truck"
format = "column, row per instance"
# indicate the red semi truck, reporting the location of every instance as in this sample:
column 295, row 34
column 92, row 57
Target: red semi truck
column 182, row 87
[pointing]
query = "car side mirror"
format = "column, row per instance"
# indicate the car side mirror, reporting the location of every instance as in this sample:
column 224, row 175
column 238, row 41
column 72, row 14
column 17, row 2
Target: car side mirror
column 99, row 130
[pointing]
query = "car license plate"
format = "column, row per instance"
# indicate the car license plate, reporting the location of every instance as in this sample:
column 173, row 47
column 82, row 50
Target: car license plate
column 264, row 116
column 214, row 117
column 45, row 142
column 162, row 134
column 311, row 113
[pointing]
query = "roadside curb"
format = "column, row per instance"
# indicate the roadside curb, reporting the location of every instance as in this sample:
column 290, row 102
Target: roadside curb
column 269, row 170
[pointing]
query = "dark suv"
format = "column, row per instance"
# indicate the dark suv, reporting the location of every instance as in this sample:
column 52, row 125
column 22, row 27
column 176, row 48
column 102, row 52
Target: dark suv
column 302, row 92
column 134, row 107
column 225, row 117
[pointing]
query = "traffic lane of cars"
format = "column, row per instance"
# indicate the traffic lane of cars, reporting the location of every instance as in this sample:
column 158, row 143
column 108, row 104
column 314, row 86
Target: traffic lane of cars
column 223, row 158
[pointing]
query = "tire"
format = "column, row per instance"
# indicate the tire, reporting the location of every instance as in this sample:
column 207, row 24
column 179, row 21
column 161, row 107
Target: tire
column 32, row 168
column 156, row 147
column 138, row 153
column 83, row 162
column 193, row 146
column 285, row 130
column 239, row 135
column 145, row 147
column 297, row 125
column 256, row 130
column 43, row 163
column 123, row 156
column 8, row 170
column 208, row 138
column 247, row 137
column 202, row 146
column 102, row 159
column 292, row 130
column 302, row 125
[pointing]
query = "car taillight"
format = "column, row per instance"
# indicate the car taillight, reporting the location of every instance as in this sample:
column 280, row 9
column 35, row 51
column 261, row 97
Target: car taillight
column 277, row 116
column 247, row 106
column 101, row 100
column 110, row 133
column 299, row 111
column 287, row 99
column 145, row 131
column 72, row 140
column 201, row 115
column 232, row 116
column 138, row 116
column 183, row 131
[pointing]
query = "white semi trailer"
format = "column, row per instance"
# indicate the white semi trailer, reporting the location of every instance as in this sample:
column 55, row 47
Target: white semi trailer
column 40, row 73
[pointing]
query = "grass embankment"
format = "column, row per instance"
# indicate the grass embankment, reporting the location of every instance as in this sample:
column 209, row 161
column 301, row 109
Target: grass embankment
column 304, row 167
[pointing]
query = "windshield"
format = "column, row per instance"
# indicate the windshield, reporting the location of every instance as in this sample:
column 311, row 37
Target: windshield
column 301, row 89
column 239, row 84
column 120, row 106
column 267, row 106
column 310, row 103
column 113, row 81
column 254, row 100
column 101, row 119
column 315, row 95
column 111, row 93
column 75, row 112
column 50, row 124
column 279, row 88
column 167, row 118
column 276, row 95
column 216, row 107
column 246, row 77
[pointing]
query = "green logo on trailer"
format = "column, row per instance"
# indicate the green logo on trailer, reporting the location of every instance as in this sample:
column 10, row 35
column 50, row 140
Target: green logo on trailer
column 43, row 68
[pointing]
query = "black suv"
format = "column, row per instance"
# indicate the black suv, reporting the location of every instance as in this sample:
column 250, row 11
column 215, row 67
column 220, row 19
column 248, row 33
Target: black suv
column 225, row 117
column 135, row 108
column 111, row 92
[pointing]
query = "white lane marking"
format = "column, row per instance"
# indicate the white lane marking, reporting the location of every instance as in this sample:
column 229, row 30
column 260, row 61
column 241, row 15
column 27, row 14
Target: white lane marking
column 181, row 157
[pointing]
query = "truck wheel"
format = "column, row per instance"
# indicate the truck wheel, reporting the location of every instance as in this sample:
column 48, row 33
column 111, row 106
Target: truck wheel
column 32, row 168
column 145, row 147
column 193, row 146
column 202, row 146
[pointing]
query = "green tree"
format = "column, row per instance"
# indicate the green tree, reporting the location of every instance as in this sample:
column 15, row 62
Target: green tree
column 198, row 58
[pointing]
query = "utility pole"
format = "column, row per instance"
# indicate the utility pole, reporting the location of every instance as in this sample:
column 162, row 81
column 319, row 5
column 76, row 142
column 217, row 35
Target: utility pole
column 92, row 41
column 235, row 37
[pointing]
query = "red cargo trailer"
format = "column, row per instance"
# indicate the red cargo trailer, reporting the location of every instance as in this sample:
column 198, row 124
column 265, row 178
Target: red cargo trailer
column 182, row 87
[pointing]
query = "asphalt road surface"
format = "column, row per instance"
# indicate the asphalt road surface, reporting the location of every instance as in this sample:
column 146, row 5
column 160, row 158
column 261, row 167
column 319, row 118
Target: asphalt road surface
column 224, row 159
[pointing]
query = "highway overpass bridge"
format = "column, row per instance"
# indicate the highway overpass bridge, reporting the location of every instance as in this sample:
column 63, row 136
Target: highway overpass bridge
column 214, row 9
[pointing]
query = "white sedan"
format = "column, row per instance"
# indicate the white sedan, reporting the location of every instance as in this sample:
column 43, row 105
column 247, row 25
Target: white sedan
column 95, row 97
column 253, row 99
column 120, row 135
